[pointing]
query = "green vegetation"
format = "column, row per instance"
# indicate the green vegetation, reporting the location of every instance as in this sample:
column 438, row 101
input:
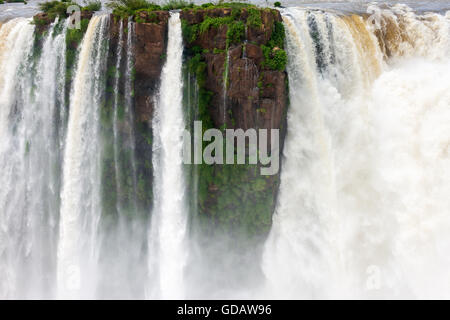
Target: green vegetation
column 232, row 198
column 189, row 32
column 275, row 57
column 13, row 1
column 127, row 190
column 235, row 199
column 92, row 6
column 278, row 35
column 197, row 67
column 277, row 4
column 55, row 8
column 235, row 22
column 210, row 22
column 73, row 39
column 177, row 5
column 127, row 8
column 151, row 18
column 254, row 18
column 235, row 32
column 226, row 4
column 59, row 8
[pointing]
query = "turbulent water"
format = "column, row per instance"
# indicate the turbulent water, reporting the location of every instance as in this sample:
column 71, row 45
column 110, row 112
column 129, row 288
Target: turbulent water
column 29, row 157
column 169, row 220
column 363, row 204
column 80, row 198
column 362, row 210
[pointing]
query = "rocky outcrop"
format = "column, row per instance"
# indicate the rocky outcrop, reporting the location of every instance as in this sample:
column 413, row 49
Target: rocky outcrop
column 255, row 96
column 42, row 20
column 240, row 90
column 150, row 40
column 150, row 48
column 230, row 53
column 211, row 39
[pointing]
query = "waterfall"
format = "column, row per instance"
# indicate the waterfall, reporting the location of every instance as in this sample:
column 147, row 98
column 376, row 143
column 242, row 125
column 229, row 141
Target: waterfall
column 169, row 217
column 363, row 202
column 16, row 38
column 123, row 228
column 129, row 89
column 31, row 99
column 115, row 120
column 80, row 198
column 363, row 205
column 225, row 87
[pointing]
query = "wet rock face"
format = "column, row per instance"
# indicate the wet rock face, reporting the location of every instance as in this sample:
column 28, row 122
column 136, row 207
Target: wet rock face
column 239, row 90
column 150, row 47
column 254, row 96
column 42, row 21
column 242, row 92
column 150, row 41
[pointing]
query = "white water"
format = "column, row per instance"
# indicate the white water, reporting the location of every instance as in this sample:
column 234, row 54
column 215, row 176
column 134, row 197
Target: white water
column 363, row 206
column 129, row 89
column 167, row 246
column 363, row 209
column 116, row 111
column 31, row 94
column 80, row 206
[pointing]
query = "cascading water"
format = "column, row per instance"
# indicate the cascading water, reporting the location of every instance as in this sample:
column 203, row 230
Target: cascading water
column 225, row 87
column 362, row 209
column 363, row 200
column 115, row 120
column 129, row 89
column 169, row 217
column 123, row 228
column 80, row 199
column 15, row 40
column 31, row 92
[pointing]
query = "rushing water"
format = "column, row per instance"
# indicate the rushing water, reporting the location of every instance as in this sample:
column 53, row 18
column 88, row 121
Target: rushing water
column 29, row 157
column 364, row 200
column 169, row 220
column 363, row 204
column 80, row 197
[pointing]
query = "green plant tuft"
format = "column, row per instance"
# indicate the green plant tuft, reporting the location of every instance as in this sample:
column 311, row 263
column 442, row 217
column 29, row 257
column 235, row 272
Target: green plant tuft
column 275, row 59
column 235, row 32
column 92, row 5
column 254, row 18
column 177, row 5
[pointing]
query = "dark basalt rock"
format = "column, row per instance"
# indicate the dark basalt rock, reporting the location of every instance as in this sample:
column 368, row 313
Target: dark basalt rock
column 252, row 89
column 150, row 48
column 237, row 200
column 253, row 96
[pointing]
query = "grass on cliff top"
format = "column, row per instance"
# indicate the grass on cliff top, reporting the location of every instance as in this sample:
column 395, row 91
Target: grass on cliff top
column 13, row 1
column 59, row 8
column 126, row 8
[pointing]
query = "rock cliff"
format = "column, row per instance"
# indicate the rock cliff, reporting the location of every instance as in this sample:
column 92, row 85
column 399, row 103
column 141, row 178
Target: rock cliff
column 236, row 59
